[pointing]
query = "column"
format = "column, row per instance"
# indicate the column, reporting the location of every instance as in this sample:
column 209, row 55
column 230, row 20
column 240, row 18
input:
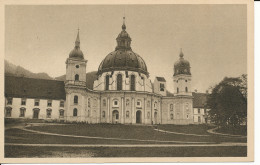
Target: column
column 144, row 118
column 122, row 110
column 133, row 110
column 108, row 110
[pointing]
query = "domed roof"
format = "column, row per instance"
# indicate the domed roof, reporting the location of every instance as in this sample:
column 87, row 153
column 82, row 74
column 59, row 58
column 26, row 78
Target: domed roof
column 182, row 66
column 123, row 58
column 76, row 52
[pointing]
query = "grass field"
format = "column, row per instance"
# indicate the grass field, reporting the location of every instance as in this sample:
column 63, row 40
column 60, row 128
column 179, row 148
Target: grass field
column 122, row 134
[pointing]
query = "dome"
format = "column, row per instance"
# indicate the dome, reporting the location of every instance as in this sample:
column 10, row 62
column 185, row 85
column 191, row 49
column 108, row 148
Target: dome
column 123, row 58
column 76, row 52
column 182, row 66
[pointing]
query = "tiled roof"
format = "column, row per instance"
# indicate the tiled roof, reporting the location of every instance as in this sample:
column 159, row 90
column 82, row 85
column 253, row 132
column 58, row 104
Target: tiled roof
column 162, row 79
column 199, row 99
column 34, row 88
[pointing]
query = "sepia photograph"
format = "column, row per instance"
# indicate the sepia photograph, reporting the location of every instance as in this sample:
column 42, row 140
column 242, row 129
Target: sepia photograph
column 117, row 82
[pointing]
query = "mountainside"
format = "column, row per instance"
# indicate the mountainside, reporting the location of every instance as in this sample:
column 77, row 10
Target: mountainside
column 18, row 71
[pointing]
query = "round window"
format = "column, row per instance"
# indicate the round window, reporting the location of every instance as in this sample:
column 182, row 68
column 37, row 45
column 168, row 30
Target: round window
column 77, row 66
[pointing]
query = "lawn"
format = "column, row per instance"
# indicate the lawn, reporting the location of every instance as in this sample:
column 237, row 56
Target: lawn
column 129, row 132
column 188, row 129
column 42, row 152
column 242, row 130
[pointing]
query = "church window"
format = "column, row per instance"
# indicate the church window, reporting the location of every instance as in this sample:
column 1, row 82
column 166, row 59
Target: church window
column 8, row 112
column 76, row 99
column 9, row 101
column 132, row 87
column 186, row 89
column 89, row 104
column 115, row 103
column 23, row 101
column 49, row 103
column 148, row 115
column 103, row 114
column 22, row 112
column 107, row 82
column 48, row 113
column 171, row 107
column 36, row 102
column 61, row 103
column 119, row 82
column 127, row 114
column 127, row 102
column 171, row 116
column 161, row 87
column 77, row 66
column 148, row 103
column 104, row 102
column 75, row 112
column 177, row 90
column 76, row 77
column 61, row 113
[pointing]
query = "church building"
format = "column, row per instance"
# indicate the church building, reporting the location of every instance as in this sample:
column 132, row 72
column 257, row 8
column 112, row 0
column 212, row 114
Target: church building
column 121, row 93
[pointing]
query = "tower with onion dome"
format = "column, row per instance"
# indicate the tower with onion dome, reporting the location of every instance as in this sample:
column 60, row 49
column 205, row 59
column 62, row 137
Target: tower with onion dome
column 182, row 77
column 76, row 66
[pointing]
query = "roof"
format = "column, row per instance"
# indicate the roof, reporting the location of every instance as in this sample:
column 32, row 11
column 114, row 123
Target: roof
column 199, row 99
column 169, row 94
column 34, row 88
column 162, row 79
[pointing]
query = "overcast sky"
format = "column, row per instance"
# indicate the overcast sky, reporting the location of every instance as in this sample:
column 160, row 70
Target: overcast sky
column 212, row 37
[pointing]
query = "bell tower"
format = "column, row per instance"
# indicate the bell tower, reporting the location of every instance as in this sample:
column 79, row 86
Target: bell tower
column 182, row 77
column 76, row 66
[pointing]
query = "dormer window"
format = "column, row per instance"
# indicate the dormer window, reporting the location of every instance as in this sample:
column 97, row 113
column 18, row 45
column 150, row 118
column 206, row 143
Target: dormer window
column 161, row 87
column 23, row 101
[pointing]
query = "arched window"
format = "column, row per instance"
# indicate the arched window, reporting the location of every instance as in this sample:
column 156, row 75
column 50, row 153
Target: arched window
column 186, row 89
column 127, row 114
column 171, row 116
column 75, row 112
column 107, row 82
column 171, row 107
column 148, row 104
column 103, row 114
column 132, row 85
column 148, row 115
column 119, row 82
column 61, row 113
column 177, row 90
column 89, row 102
column 22, row 112
column 48, row 113
column 8, row 112
column 76, row 99
column 104, row 102
column 76, row 77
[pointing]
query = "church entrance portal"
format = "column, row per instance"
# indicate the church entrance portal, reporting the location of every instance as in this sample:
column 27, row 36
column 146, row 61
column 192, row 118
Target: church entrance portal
column 138, row 117
column 115, row 117
column 36, row 113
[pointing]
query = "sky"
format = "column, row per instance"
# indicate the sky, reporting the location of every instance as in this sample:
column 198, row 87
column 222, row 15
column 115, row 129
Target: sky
column 213, row 38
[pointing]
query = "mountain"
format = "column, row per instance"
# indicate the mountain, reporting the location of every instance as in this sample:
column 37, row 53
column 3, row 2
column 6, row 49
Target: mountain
column 18, row 71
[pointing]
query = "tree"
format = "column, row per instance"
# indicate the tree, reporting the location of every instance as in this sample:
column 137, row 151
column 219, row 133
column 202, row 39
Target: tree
column 228, row 102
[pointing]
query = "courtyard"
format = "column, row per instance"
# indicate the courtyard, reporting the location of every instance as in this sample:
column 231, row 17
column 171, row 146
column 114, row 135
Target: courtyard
column 115, row 140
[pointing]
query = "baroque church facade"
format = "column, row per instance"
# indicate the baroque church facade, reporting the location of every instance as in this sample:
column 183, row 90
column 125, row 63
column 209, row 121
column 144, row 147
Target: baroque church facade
column 122, row 92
